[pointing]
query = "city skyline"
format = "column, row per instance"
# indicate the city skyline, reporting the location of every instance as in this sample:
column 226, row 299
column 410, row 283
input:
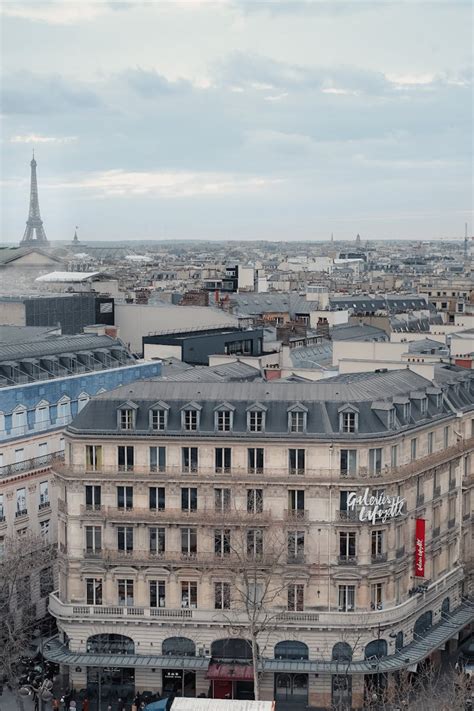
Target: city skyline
column 286, row 121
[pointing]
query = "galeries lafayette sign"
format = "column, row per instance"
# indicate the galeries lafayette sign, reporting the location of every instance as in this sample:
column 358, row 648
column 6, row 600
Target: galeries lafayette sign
column 375, row 508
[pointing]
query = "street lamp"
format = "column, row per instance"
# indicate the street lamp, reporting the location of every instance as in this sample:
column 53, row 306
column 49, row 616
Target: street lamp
column 40, row 693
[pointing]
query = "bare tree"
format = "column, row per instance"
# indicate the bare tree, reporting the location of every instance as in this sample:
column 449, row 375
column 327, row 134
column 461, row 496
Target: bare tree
column 256, row 559
column 20, row 558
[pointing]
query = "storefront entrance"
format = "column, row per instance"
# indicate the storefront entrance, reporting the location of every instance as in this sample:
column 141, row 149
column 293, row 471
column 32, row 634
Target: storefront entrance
column 293, row 689
column 178, row 682
column 342, row 692
column 110, row 683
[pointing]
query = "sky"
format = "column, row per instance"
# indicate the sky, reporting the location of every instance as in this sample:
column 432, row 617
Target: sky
column 238, row 119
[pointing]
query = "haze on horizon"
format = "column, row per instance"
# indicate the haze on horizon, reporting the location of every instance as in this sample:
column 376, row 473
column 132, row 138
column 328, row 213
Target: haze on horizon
column 238, row 119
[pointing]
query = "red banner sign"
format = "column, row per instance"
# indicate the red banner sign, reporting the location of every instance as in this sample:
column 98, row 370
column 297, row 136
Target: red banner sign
column 420, row 548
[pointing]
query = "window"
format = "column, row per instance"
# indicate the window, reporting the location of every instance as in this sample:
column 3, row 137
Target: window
column 93, row 497
column 125, row 592
column 255, row 460
column 44, row 495
column 93, row 539
column 255, row 421
column 157, row 593
column 125, row 458
column 64, row 411
column 446, row 437
column 255, row 594
column 23, row 590
column 21, row 509
column 19, row 421
column 126, row 419
column 93, row 591
column 157, row 539
column 189, row 459
column 254, row 542
column 82, row 401
column 190, row 420
column 42, row 416
column 44, row 529
column 391, row 418
column 188, row 594
column 125, row 538
column 254, row 501
column 394, row 456
column 296, row 502
column 157, row 498
column 346, row 598
column 222, row 542
column 222, row 596
column 295, row 546
column 46, row 580
column 2, row 508
column 158, row 459
column 297, row 421
column 347, row 545
column 189, row 541
column 295, row 597
column 430, row 442
column 296, row 461
column 43, row 452
column 222, row 500
column 93, row 457
column 376, row 596
column 223, row 459
column 125, row 497
column 348, row 420
column 377, row 545
column 413, row 444
column 424, row 406
column 189, row 499
column 375, row 460
column 224, row 420
column 406, row 411
column 19, row 456
column 158, row 419
column 348, row 461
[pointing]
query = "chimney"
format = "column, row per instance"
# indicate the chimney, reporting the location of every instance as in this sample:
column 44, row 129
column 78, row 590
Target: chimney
column 322, row 327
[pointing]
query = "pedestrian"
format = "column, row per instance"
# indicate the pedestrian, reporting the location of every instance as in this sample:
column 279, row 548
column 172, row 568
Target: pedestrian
column 72, row 705
column 121, row 705
column 55, row 704
column 109, row 707
column 67, row 700
column 85, row 704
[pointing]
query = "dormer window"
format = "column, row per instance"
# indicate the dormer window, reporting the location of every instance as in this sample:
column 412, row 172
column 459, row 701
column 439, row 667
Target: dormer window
column 126, row 416
column 348, row 419
column 190, row 416
column 224, row 421
column 391, row 418
column 256, row 418
column 406, row 411
column 158, row 417
column 126, row 419
column 424, row 406
column 297, row 418
column 438, row 400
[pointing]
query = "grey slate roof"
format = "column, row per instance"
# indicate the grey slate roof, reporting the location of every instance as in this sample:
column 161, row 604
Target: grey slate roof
column 23, row 334
column 357, row 332
column 318, row 355
column 56, row 345
column 233, row 371
column 323, row 400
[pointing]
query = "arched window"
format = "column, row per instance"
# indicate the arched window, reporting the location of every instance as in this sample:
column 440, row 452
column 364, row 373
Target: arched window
column 110, row 644
column 399, row 641
column 342, row 652
column 178, row 647
column 423, row 623
column 290, row 649
column 377, row 648
column 445, row 606
column 232, row 649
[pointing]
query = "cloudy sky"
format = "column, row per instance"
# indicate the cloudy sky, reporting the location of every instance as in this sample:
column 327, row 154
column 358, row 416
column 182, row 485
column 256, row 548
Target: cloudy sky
column 238, row 119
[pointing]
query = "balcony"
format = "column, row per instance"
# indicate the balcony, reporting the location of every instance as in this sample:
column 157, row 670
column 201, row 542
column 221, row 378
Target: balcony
column 400, row 552
column 200, row 516
column 347, row 560
column 298, row 559
column 451, row 523
column 296, row 514
column 37, row 463
column 348, row 516
column 378, row 558
column 146, row 557
column 20, row 513
column 44, row 506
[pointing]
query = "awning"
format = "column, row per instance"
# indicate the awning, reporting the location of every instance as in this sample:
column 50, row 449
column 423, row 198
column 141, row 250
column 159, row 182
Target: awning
column 229, row 672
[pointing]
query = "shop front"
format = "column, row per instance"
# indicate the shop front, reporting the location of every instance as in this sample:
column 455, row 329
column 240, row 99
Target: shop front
column 179, row 682
column 231, row 681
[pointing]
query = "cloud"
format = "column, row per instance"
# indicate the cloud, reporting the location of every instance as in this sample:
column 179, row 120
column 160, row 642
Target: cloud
column 150, row 82
column 166, row 184
column 59, row 12
column 28, row 93
column 36, row 139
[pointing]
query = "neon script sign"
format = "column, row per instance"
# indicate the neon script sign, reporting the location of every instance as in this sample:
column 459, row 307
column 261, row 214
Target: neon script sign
column 377, row 508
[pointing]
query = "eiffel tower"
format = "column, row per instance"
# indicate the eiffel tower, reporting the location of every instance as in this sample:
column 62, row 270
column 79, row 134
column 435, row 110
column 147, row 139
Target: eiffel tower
column 34, row 224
